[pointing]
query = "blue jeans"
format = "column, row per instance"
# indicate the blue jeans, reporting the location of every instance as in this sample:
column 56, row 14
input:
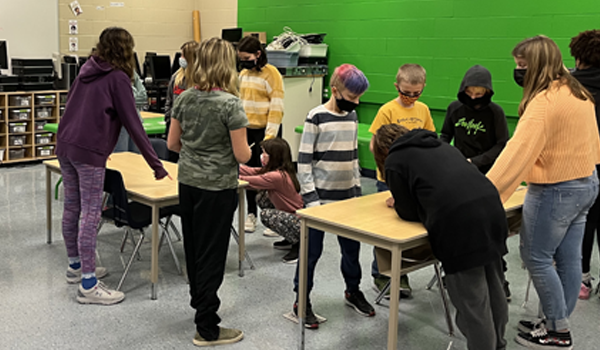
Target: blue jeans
column 554, row 218
column 381, row 187
column 350, row 260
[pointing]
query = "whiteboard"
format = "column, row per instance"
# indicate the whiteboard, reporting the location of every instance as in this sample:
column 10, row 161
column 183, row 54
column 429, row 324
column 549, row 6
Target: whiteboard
column 30, row 26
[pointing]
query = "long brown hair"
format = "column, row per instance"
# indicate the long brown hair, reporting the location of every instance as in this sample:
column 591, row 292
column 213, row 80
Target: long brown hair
column 544, row 66
column 280, row 159
column 382, row 141
column 215, row 67
column 189, row 53
column 115, row 46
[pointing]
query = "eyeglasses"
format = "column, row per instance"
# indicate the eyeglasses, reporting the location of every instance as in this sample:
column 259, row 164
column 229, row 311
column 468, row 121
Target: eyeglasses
column 408, row 95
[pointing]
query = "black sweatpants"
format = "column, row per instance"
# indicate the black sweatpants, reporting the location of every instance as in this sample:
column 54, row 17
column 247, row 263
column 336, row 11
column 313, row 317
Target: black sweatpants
column 481, row 307
column 206, row 218
column 255, row 136
column 592, row 228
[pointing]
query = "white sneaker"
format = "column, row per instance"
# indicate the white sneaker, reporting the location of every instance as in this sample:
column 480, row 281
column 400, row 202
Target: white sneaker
column 99, row 294
column 250, row 224
column 74, row 276
column 270, row 233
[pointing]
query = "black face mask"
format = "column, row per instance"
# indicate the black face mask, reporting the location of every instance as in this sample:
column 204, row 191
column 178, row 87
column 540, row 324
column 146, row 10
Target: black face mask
column 475, row 102
column 248, row 64
column 519, row 75
column 345, row 105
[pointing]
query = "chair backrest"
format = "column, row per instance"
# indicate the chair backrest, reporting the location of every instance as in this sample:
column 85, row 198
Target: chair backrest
column 113, row 185
column 160, row 147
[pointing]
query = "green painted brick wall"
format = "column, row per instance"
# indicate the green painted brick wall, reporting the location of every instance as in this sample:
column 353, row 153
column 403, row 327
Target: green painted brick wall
column 444, row 36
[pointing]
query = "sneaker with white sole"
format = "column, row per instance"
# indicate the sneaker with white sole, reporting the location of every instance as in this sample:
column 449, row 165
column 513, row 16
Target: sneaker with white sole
column 74, row 275
column 283, row 245
column 250, row 224
column 226, row 336
column 270, row 233
column 99, row 294
column 292, row 256
column 530, row 326
column 358, row 302
column 545, row 339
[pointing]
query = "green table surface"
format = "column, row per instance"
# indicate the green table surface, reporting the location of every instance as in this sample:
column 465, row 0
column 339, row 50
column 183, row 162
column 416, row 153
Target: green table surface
column 152, row 126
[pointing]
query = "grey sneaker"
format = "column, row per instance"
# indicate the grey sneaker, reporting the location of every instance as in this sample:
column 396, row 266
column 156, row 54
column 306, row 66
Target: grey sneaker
column 250, row 224
column 226, row 336
column 74, row 276
column 99, row 294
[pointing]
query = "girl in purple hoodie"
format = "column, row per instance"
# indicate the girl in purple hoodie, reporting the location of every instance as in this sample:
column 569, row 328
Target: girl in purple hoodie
column 99, row 103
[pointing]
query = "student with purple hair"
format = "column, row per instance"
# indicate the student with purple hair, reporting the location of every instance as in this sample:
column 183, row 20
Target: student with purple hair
column 328, row 172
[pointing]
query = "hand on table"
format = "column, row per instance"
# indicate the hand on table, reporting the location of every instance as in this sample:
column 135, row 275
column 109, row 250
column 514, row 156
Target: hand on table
column 390, row 202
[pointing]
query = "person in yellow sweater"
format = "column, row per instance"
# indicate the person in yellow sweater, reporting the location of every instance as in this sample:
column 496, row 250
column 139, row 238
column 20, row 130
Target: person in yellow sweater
column 555, row 149
column 261, row 91
column 404, row 110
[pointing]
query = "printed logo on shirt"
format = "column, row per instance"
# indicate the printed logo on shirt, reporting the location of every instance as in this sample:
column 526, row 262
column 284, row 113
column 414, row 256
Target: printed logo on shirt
column 470, row 126
column 177, row 90
column 411, row 120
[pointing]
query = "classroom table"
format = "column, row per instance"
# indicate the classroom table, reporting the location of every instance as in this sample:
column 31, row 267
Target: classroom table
column 150, row 115
column 152, row 126
column 142, row 187
column 367, row 219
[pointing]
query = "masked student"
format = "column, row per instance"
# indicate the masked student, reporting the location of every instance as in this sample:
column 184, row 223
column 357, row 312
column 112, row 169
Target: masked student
column 328, row 171
column 261, row 92
column 404, row 110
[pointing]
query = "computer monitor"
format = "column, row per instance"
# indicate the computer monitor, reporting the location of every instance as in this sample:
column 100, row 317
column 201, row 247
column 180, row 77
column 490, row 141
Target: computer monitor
column 5, row 67
column 233, row 35
column 137, row 64
column 160, row 68
column 176, row 65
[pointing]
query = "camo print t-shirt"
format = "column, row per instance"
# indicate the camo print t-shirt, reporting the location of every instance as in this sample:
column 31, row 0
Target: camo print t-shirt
column 206, row 158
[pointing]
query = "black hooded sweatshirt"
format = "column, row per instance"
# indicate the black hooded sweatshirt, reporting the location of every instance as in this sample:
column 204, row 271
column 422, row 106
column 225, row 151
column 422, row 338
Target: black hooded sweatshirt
column 590, row 79
column 479, row 131
column 431, row 182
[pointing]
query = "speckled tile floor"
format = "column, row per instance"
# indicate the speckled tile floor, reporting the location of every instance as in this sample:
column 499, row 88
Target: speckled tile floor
column 39, row 311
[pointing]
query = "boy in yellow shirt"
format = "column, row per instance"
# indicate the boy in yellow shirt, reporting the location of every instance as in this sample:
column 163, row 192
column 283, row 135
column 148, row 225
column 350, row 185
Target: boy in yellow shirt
column 404, row 110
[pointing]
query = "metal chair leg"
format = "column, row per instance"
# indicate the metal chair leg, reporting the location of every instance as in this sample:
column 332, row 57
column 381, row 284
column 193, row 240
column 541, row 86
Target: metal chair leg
column 383, row 292
column 527, row 292
column 124, row 240
column 56, row 188
column 175, row 230
column 438, row 274
column 237, row 240
column 431, row 282
column 135, row 251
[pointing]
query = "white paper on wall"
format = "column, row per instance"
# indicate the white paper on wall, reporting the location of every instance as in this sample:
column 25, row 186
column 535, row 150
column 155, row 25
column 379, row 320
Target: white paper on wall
column 76, row 8
column 73, row 27
column 73, row 44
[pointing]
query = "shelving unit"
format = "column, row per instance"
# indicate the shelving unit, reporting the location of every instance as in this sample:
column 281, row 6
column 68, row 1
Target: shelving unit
column 22, row 115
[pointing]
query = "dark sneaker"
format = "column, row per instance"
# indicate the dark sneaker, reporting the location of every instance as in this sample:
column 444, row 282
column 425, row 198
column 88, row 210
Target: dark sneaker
column 283, row 245
column 292, row 256
column 405, row 290
column 545, row 339
column 507, row 291
column 310, row 321
column 226, row 336
column 530, row 326
column 358, row 302
column 379, row 284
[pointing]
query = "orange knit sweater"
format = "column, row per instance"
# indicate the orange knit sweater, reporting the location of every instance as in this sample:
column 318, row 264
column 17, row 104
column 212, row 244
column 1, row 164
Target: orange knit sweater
column 556, row 140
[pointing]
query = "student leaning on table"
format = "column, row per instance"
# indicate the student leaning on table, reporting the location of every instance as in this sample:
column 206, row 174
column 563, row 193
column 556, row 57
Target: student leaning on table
column 208, row 129
column 555, row 148
column 433, row 183
column 99, row 103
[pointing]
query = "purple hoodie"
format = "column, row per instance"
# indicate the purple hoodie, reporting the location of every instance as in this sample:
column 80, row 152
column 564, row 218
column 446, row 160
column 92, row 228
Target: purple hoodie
column 99, row 103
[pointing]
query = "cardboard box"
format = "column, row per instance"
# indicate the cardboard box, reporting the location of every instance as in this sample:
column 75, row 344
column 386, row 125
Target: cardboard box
column 262, row 36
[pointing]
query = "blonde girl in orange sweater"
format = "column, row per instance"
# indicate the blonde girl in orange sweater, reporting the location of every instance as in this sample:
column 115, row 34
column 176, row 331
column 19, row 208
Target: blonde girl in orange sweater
column 555, row 149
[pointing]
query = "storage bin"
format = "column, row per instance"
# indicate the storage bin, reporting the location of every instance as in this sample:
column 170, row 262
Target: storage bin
column 61, row 110
column 283, row 58
column 17, row 140
column 2, row 150
column 41, row 139
column 314, row 50
column 19, row 101
column 19, row 114
column 45, row 100
column 16, row 128
column 16, row 153
column 63, row 99
column 44, row 151
column 40, row 125
column 43, row 112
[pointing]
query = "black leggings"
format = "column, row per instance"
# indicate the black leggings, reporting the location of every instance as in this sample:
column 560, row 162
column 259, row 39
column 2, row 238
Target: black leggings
column 591, row 229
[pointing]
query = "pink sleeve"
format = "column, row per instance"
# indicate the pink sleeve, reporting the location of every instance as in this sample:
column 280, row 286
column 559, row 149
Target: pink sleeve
column 246, row 170
column 269, row 181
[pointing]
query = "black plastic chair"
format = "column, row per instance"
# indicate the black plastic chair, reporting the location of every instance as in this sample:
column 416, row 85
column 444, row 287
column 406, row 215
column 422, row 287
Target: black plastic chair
column 132, row 216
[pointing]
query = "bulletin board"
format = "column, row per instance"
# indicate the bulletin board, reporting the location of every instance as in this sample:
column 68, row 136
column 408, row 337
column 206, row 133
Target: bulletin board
column 30, row 26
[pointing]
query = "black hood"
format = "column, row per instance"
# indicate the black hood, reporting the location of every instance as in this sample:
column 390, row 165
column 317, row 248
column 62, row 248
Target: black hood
column 475, row 76
column 416, row 138
column 590, row 78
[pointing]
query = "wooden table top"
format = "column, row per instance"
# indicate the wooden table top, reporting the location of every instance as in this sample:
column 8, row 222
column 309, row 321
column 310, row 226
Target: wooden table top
column 147, row 115
column 370, row 216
